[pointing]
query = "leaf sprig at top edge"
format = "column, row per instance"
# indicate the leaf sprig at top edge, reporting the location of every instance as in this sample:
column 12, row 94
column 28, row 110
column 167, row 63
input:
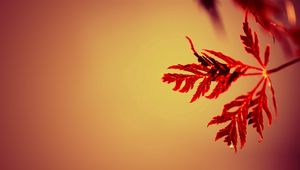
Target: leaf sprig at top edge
column 271, row 16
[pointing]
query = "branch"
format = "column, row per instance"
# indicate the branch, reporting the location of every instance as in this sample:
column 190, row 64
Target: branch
column 283, row 66
column 276, row 69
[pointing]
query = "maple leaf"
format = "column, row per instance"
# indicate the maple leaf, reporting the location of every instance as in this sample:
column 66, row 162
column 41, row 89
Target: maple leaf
column 259, row 104
column 222, row 70
column 252, row 47
column 239, row 114
column 242, row 104
column 236, row 113
column 208, row 70
column 250, row 42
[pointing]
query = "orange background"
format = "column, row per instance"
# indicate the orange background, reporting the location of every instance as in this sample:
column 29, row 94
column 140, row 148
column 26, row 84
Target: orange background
column 81, row 89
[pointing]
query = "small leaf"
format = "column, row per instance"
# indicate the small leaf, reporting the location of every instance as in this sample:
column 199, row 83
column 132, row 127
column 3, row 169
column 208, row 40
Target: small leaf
column 260, row 104
column 242, row 128
column 207, row 71
column 236, row 111
column 273, row 96
column 251, row 44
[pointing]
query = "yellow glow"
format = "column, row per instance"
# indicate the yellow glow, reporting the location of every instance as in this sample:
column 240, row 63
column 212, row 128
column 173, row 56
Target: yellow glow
column 290, row 10
column 231, row 146
column 264, row 73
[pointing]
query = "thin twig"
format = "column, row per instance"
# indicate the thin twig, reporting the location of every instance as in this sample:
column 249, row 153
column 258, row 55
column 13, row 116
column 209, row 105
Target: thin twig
column 283, row 66
column 275, row 69
column 192, row 44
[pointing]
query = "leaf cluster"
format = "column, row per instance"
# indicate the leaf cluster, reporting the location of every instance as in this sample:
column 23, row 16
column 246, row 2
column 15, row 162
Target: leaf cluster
column 222, row 70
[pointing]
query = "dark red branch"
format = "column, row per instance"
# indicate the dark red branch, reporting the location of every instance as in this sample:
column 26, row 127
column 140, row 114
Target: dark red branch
column 275, row 69
column 283, row 66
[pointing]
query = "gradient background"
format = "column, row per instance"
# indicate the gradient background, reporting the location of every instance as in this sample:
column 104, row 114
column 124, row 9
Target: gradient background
column 81, row 89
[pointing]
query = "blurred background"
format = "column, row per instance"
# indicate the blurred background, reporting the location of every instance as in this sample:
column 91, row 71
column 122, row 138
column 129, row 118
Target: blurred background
column 81, row 89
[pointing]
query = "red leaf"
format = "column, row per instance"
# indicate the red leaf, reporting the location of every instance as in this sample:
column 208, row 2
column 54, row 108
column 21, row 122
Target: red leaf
column 260, row 104
column 273, row 96
column 264, row 12
column 236, row 111
column 242, row 128
column 267, row 111
column 270, row 15
column 207, row 71
column 224, row 70
column 251, row 44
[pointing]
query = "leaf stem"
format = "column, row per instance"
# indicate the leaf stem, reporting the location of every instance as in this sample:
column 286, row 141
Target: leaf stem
column 192, row 44
column 283, row 66
column 275, row 69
